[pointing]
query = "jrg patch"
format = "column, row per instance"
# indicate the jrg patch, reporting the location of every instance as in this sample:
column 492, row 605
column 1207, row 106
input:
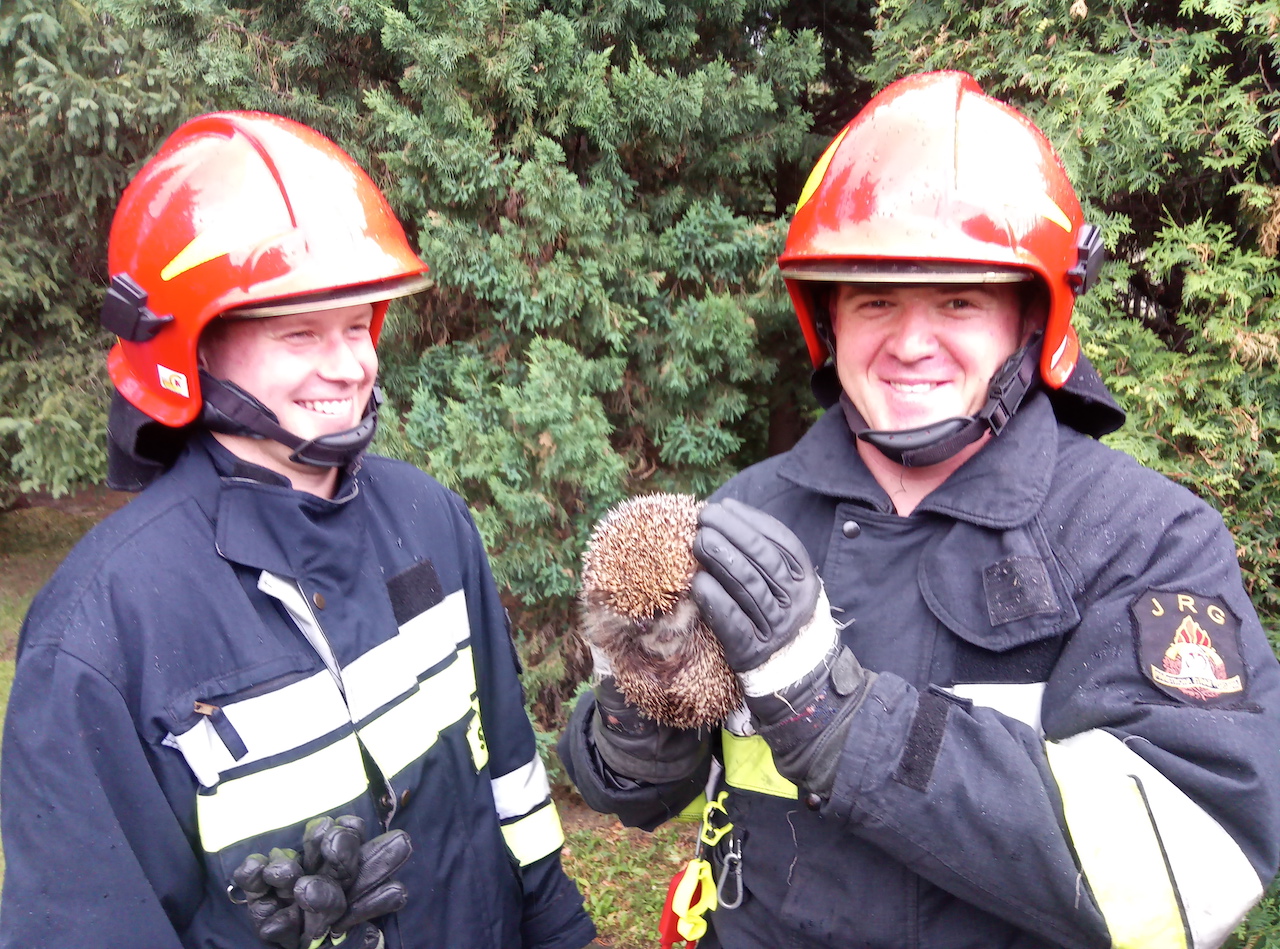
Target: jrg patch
column 1189, row 647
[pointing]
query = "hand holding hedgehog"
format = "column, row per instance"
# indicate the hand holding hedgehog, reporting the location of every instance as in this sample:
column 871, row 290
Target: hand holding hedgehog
column 765, row 603
column 680, row 646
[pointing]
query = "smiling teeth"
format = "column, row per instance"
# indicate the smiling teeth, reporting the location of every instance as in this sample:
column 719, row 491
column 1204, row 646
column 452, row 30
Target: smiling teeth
column 328, row 407
column 913, row 387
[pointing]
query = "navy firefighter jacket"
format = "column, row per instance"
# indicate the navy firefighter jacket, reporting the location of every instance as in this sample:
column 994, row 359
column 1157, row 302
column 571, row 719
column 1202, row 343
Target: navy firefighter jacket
column 226, row 658
column 1074, row 736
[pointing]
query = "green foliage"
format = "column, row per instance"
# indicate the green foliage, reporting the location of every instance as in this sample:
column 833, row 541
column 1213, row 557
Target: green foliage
column 590, row 187
column 80, row 104
column 1165, row 115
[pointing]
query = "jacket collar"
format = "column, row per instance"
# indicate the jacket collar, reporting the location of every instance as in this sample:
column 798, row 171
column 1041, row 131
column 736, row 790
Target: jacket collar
column 262, row 522
column 1001, row 486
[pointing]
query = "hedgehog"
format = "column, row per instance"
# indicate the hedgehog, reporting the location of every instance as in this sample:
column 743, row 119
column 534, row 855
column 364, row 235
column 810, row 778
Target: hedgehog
column 636, row 609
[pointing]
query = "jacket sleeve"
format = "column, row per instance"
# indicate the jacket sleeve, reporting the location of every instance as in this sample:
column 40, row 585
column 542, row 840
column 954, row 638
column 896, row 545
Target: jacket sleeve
column 1138, row 818
column 554, row 917
column 637, row 803
column 94, row 854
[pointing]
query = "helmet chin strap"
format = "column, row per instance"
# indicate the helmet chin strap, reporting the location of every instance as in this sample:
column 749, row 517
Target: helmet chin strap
column 931, row 444
column 233, row 411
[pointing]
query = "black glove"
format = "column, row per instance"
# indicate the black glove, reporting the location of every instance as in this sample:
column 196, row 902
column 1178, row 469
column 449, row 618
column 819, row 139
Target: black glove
column 275, row 918
column 634, row 745
column 333, row 889
column 759, row 587
column 764, row 601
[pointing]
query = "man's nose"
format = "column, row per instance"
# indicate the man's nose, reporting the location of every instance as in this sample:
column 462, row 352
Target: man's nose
column 913, row 337
column 341, row 362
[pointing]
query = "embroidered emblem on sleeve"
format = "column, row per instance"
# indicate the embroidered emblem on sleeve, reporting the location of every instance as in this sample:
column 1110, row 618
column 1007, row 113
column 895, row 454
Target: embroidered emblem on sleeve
column 1189, row 647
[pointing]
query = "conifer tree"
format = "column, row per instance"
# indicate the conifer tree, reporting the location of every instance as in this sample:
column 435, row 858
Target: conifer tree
column 81, row 103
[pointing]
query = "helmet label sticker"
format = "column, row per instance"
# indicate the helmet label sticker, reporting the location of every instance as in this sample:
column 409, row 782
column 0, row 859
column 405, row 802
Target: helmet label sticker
column 173, row 380
column 1189, row 647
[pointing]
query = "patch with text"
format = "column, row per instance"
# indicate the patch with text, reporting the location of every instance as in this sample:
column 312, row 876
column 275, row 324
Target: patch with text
column 1189, row 646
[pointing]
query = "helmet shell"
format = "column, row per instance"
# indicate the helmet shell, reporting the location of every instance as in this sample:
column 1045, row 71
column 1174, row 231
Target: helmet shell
column 935, row 173
column 236, row 211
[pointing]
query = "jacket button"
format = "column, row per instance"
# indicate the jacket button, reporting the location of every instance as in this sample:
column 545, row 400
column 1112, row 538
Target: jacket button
column 318, row 600
column 851, row 529
column 812, row 801
column 404, row 797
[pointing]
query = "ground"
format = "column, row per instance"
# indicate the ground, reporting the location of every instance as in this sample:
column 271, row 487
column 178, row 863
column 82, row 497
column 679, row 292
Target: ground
column 623, row 873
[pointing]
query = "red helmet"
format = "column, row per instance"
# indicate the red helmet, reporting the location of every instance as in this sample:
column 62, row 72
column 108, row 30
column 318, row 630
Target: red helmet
column 935, row 182
column 240, row 213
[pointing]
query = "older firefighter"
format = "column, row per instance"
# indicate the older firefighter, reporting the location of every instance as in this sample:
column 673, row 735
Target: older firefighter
column 1004, row 685
column 274, row 700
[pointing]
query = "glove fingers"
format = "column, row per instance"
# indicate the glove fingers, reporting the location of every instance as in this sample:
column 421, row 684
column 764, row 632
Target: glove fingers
column 283, row 870
column 354, row 822
column 379, row 859
column 248, row 876
column 390, row 897
column 723, row 612
column 283, row 928
column 316, row 829
column 747, row 547
column 740, row 577
column 322, row 902
column 790, row 548
column 340, row 853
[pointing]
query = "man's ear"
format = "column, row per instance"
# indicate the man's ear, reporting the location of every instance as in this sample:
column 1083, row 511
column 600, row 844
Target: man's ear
column 1035, row 308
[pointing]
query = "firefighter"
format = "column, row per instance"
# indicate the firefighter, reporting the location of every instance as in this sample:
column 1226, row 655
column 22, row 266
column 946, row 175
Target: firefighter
column 1003, row 685
column 273, row 700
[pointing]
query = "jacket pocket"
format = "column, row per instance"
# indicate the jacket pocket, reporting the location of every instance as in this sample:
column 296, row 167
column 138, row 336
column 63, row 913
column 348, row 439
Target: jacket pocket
column 234, row 720
column 997, row 590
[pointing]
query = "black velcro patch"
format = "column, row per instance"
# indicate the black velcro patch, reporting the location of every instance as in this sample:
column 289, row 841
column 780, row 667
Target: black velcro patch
column 414, row 591
column 1033, row 662
column 1018, row 587
column 924, row 741
column 1189, row 647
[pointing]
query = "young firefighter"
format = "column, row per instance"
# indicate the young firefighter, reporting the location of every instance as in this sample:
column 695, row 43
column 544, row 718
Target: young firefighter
column 280, row 627
column 1005, row 687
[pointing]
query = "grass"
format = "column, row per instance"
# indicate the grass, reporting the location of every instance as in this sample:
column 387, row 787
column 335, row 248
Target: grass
column 623, row 873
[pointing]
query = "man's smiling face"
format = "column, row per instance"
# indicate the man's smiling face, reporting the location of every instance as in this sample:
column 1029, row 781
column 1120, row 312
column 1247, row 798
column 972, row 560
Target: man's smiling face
column 314, row 370
column 912, row 355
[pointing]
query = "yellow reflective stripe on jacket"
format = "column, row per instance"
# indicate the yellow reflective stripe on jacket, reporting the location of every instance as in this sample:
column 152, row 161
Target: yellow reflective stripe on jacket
column 406, row 731
column 1119, row 849
column 285, row 794
column 532, row 837
column 1214, row 881
column 748, row 765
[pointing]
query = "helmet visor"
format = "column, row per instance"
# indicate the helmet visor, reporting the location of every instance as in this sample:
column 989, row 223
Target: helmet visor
column 333, row 299
column 903, row 271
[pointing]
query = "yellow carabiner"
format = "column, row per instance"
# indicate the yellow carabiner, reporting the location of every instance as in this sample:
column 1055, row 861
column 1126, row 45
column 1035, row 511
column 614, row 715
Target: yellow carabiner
column 711, row 835
column 696, row 880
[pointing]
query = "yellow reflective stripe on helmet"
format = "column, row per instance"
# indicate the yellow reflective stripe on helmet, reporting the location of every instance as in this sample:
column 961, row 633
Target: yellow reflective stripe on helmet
column 820, row 169
column 277, row 797
column 1118, row 847
column 532, row 837
column 748, row 765
column 404, row 732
